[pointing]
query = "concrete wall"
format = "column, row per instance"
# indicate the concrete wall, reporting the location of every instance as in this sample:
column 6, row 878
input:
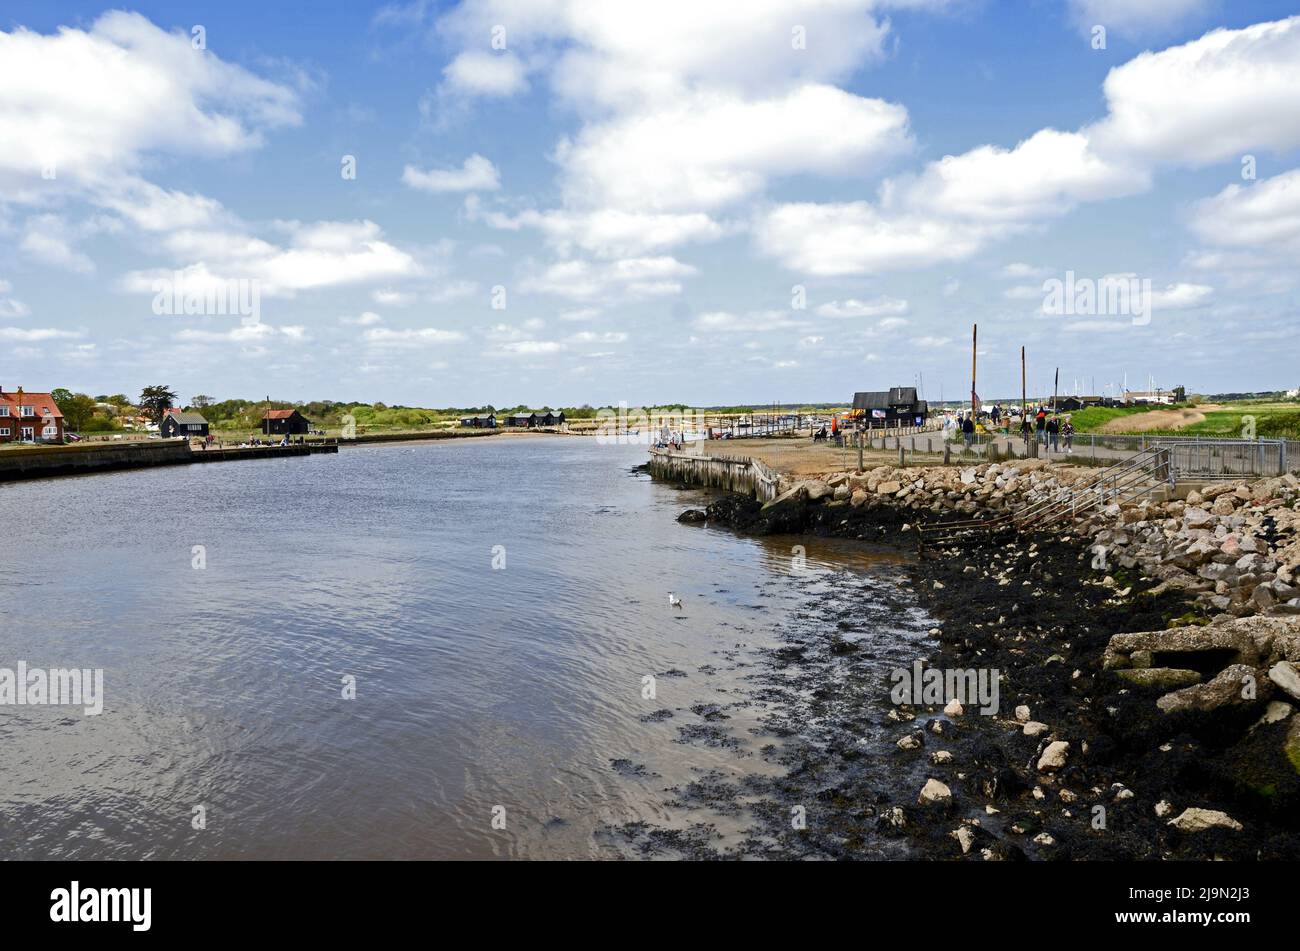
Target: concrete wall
column 39, row 462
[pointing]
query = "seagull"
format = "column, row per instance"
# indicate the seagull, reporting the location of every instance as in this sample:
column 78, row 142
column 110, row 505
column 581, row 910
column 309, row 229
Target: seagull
column 674, row 601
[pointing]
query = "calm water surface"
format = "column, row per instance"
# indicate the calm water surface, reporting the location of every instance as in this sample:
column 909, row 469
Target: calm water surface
column 475, row 688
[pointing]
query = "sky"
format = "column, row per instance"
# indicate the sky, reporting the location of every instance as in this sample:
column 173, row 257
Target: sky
column 554, row 202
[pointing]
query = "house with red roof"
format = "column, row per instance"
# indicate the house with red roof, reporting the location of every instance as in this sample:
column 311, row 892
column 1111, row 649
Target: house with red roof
column 29, row 417
column 282, row 422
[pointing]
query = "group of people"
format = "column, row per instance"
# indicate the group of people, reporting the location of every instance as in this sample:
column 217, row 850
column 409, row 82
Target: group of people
column 1047, row 429
column 1053, row 431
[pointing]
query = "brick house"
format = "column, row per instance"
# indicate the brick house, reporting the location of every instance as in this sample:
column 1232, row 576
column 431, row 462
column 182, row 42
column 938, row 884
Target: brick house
column 33, row 417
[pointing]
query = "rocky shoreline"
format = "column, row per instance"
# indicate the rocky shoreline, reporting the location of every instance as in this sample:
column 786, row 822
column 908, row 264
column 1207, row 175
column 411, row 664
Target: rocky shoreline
column 1146, row 661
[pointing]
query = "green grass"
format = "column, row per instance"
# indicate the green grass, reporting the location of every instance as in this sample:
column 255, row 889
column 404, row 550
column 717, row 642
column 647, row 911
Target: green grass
column 1272, row 419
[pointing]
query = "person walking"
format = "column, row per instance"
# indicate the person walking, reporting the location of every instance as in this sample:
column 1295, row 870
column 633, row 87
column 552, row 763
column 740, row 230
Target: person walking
column 1067, row 435
column 968, row 429
column 1040, row 424
column 1053, row 430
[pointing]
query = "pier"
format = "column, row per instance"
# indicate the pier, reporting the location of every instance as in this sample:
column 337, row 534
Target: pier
column 732, row 473
column 42, row 462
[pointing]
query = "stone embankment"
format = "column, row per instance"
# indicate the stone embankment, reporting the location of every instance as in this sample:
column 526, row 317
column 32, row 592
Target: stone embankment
column 1150, row 651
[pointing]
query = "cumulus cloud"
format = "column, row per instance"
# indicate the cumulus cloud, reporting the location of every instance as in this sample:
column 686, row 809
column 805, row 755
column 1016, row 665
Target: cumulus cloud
column 475, row 174
column 314, row 255
column 478, row 73
column 629, row 278
column 64, row 102
column 1211, row 99
column 878, row 307
column 1206, row 100
column 415, row 337
column 1264, row 216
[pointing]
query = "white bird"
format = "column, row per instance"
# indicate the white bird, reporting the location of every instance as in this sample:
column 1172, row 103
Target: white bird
column 674, row 601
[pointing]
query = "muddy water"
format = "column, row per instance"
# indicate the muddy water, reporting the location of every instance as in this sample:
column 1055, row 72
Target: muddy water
column 516, row 693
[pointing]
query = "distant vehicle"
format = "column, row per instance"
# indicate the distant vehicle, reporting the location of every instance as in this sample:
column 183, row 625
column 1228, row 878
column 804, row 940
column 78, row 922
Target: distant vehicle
column 71, row 437
column 117, row 437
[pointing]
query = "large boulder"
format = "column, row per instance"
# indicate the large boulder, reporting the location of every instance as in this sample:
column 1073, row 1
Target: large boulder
column 1233, row 642
column 1235, row 686
column 1285, row 675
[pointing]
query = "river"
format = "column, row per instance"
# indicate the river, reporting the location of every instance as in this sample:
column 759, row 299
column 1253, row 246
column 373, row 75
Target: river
column 497, row 605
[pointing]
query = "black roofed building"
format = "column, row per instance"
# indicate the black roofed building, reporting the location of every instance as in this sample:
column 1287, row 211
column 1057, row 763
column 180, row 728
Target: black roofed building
column 522, row 420
column 896, row 406
column 285, row 422
column 480, row 421
column 176, row 423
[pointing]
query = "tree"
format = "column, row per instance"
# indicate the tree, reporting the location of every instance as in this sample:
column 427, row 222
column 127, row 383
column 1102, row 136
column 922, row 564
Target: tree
column 77, row 410
column 155, row 401
column 60, row 396
column 200, row 401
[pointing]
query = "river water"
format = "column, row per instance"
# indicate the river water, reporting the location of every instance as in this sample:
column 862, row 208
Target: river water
column 498, row 605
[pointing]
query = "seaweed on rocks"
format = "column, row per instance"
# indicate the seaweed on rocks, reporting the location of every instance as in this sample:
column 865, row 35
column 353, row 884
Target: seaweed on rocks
column 1075, row 762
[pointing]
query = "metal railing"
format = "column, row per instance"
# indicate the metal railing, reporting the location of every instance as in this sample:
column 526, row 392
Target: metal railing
column 1208, row 459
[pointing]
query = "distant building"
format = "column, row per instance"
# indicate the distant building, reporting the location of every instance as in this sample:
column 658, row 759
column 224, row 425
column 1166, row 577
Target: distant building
column 1072, row 404
column 1159, row 397
column 480, row 421
column 522, row 421
column 176, row 423
column 897, row 406
column 550, row 419
column 29, row 417
column 285, row 422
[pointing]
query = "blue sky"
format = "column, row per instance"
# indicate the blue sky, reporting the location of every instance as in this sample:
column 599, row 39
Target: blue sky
column 703, row 202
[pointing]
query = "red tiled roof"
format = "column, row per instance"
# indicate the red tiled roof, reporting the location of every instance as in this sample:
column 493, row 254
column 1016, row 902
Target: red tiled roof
column 42, row 404
column 279, row 413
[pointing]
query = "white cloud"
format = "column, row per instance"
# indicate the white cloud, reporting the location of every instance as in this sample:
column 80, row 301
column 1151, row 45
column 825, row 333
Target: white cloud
column 1135, row 16
column 713, row 148
column 1211, row 99
column 588, row 336
column 10, row 307
column 1018, row 270
column 242, row 334
column 608, row 232
column 1180, row 296
column 37, row 334
column 630, row 278
column 1264, row 216
column 475, row 174
column 48, row 241
column 317, row 254
column 764, row 321
column 833, row 239
column 476, row 73
column 878, row 307
column 91, row 102
column 1206, row 100
column 365, row 319
column 424, row 336
column 531, row 347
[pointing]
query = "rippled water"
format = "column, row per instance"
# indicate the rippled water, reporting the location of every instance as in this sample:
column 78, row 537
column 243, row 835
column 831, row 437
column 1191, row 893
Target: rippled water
column 475, row 688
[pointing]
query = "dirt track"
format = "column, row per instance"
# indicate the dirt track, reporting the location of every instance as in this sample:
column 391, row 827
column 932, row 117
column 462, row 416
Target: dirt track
column 1159, row 419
